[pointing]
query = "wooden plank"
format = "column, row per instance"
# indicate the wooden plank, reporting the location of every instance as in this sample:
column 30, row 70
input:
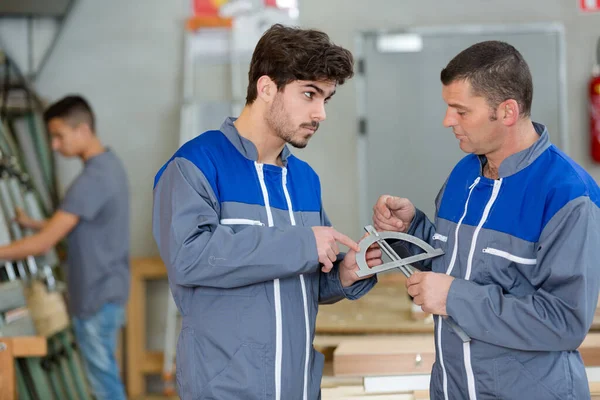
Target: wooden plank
column 590, row 349
column 29, row 346
column 148, row 268
column 596, row 321
column 139, row 360
column 328, row 341
column 135, row 332
column 595, row 389
column 401, row 344
column 330, row 381
column 386, row 309
column 407, row 354
column 326, row 344
column 7, row 370
column 336, row 392
column 357, row 393
column 153, row 362
column 421, row 394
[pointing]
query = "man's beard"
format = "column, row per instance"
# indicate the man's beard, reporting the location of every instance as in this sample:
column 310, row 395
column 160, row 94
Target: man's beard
column 278, row 120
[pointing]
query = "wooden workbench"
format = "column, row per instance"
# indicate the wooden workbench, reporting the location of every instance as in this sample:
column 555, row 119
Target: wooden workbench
column 386, row 309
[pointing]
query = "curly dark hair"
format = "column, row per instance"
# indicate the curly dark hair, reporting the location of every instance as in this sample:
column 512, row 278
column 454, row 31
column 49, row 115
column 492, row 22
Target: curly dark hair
column 496, row 71
column 287, row 54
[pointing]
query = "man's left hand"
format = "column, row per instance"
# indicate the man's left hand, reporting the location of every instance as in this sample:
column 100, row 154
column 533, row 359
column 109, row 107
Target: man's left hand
column 348, row 266
column 430, row 291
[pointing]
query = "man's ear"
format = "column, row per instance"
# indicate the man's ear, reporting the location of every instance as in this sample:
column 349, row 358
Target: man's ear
column 266, row 88
column 509, row 112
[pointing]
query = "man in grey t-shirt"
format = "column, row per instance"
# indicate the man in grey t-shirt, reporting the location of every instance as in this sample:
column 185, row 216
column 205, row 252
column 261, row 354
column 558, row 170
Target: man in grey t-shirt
column 94, row 216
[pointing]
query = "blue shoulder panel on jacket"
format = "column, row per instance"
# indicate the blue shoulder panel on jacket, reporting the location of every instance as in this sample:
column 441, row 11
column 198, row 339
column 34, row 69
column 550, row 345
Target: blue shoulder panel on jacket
column 233, row 177
column 527, row 200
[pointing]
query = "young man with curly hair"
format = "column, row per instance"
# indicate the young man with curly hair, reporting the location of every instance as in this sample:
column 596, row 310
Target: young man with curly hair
column 240, row 225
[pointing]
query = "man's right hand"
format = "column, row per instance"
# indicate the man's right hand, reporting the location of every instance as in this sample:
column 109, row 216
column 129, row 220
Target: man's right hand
column 392, row 213
column 327, row 245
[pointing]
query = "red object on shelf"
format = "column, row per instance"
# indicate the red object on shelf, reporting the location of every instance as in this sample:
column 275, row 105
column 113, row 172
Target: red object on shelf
column 589, row 5
column 204, row 8
column 594, row 93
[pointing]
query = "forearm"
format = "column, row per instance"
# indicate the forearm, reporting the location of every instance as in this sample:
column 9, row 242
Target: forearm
column 332, row 289
column 29, row 246
column 226, row 260
column 421, row 227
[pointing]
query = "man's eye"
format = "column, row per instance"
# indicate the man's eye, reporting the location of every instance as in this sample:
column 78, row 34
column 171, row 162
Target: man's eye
column 308, row 94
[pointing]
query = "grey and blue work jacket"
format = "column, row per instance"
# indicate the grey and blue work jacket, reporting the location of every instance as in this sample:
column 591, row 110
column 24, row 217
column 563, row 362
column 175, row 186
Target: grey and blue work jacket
column 243, row 268
column 525, row 251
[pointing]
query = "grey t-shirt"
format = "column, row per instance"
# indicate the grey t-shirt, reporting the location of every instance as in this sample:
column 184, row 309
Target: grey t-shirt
column 98, row 246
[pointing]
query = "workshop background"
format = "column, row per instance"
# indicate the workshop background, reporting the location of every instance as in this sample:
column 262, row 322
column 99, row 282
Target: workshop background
column 158, row 72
